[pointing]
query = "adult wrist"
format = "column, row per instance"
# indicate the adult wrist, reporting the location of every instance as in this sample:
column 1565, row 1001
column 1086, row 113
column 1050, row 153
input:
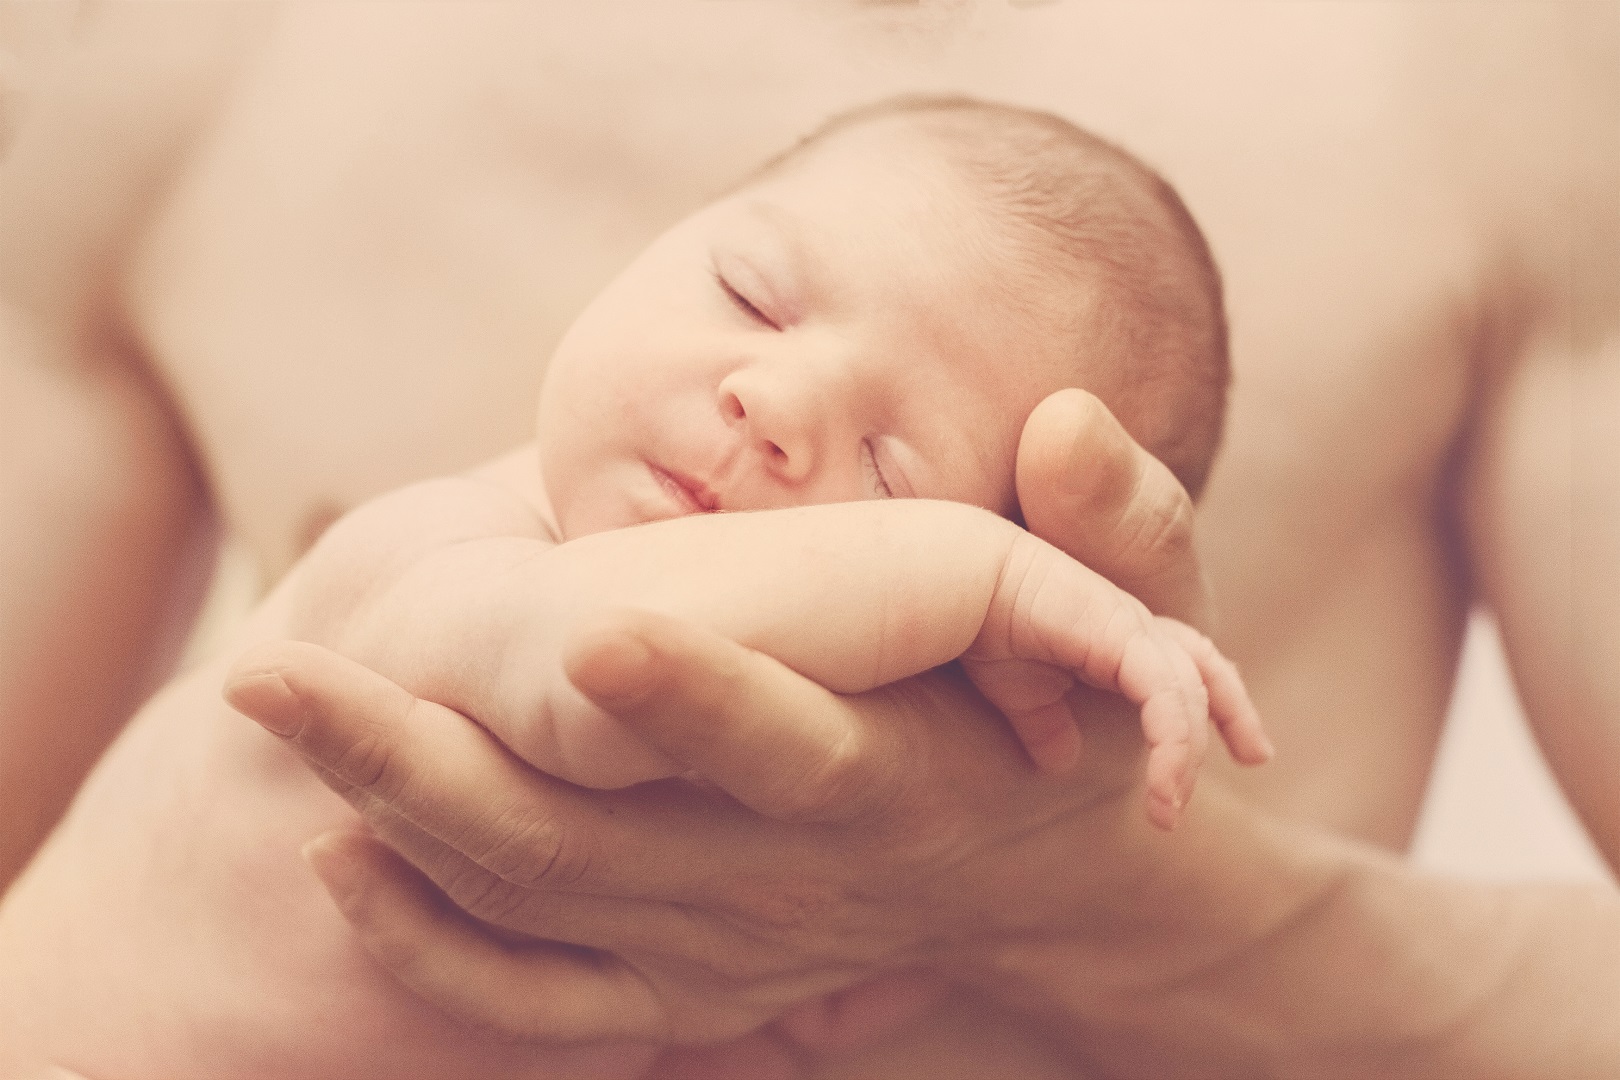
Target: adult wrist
column 1141, row 968
column 1261, row 948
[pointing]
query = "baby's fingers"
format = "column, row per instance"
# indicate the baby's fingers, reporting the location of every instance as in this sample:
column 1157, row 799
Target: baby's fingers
column 1159, row 674
column 1033, row 698
column 1229, row 704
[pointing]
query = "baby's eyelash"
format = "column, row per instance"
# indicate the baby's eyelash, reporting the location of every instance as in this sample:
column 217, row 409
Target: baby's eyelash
column 742, row 302
column 870, row 465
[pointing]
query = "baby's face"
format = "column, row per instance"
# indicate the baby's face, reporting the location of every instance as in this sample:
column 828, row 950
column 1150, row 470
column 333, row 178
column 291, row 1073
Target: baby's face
column 841, row 330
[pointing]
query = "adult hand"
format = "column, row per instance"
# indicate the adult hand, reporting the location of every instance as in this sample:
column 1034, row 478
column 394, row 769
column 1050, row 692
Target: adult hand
column 1086, row 487
column 847, row 837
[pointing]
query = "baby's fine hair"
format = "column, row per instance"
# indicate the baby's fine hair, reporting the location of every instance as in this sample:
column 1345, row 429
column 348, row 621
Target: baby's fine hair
column 1148, row 299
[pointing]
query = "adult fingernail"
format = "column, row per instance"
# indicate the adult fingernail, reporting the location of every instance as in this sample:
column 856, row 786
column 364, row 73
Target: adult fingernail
column 614, row 669
column 324, row 854
column 266, row 699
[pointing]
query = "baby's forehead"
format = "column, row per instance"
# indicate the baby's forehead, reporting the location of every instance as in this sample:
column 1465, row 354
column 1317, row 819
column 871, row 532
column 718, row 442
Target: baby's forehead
column 910, row 199
column 937, row 244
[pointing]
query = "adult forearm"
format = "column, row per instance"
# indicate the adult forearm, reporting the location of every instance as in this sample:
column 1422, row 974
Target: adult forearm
column 1257, row 948
column 105, row 544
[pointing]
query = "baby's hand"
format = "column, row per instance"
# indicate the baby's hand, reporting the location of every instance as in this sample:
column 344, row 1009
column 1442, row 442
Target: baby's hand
column 1052, row 621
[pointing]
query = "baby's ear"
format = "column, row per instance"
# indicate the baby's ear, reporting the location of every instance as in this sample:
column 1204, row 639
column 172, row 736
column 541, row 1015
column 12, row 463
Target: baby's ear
column 1086, row 487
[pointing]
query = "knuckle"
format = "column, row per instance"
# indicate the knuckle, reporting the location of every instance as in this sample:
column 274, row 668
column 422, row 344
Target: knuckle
column 375, row 762
column 371, row 763
column 531, row 849
column 1196, row 642
column 780, row 922
column 482, row 894
column 1159, row 524
column 735, row 966
column 832, row 784
column 794, row 905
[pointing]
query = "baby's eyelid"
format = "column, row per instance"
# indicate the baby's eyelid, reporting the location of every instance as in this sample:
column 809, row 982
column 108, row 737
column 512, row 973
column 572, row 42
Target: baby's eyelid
column 742, row 303
column 741, row 298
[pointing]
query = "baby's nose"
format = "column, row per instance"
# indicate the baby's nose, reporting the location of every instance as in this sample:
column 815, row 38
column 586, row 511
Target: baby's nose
column 783, row 416
column 796, row 408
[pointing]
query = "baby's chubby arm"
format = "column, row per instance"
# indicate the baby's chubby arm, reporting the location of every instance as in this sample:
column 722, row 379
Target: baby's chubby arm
column 454, row 584
column 859, row 595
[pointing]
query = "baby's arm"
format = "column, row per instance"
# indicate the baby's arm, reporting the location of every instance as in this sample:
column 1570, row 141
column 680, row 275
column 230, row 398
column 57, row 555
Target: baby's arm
column 858, row 595
column 852, row 595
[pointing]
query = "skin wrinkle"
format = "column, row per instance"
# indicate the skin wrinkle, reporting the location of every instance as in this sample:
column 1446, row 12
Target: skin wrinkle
column 514, row 860
column 1119, row 661
column 1166, row 531
column 378, row 811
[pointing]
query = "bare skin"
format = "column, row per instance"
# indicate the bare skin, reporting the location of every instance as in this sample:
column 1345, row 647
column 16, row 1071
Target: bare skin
column 1409, row 212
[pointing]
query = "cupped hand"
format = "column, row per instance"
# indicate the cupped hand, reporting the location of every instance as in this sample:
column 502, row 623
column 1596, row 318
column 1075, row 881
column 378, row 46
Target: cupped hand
column 832, row 838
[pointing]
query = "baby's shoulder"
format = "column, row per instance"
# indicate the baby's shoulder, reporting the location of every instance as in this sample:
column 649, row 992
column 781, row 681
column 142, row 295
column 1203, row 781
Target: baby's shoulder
column 382, row 540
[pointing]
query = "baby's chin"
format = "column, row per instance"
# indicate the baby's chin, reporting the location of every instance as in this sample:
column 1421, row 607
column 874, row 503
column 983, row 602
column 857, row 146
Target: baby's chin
column 606, row 511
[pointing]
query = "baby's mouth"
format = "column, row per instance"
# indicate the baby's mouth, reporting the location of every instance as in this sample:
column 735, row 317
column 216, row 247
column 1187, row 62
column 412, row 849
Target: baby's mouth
column 691, row 493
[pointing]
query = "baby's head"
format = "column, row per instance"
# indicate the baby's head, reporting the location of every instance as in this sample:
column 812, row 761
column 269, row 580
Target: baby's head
column 876, row 312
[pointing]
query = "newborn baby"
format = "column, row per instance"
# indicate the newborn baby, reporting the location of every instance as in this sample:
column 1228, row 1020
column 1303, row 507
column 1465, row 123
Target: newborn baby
column 853, row 340
column 872, row 318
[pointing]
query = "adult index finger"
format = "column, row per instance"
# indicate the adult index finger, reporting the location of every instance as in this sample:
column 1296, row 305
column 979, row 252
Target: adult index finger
column 775, row 741
column 1086, row 487
column 439, row 771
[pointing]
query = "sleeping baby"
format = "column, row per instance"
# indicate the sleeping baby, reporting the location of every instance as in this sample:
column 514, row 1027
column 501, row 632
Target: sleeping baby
column 793, row 419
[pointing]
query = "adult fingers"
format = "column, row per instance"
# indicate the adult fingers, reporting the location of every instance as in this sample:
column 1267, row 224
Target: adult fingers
column 374, row 742
column 646, row 970
column 1086, row 487
column 539, row 991
column 778, row 743
column 678, row 922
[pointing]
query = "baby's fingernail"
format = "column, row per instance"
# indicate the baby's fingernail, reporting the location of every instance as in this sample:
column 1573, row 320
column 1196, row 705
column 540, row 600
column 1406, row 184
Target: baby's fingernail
column 1164, row 806
column 266, row 699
